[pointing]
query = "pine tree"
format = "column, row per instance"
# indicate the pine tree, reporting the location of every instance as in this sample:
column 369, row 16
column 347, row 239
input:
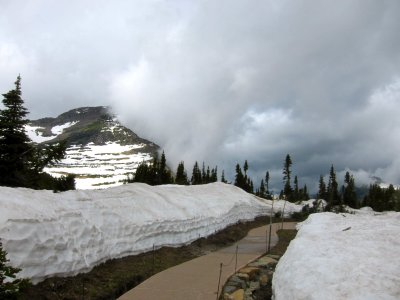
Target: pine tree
column 239, row 178
column 305, row 196
column 223, row 177
column 296, row 194
column 9, row 286
column 286, row 178
column 181, row 175
column 261, row 190
column 349, row 194
column 203, row 174
column 332, row 190
column 164, row 174
column 382, row 199
column 267, row 182
column 20, row 159
column 214, row 174
column 196, row 175
column 16, row 149
column 245, row 167
column 322, row 189
column 208, row 175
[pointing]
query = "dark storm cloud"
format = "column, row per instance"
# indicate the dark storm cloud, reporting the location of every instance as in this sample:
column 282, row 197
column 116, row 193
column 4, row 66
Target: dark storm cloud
column 222, row 81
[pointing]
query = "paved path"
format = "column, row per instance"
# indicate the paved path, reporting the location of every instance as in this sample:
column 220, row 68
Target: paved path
column 198, row 278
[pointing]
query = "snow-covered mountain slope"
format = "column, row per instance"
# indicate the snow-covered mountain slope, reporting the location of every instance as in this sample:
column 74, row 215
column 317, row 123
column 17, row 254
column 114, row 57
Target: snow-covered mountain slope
column 101, row 152
column 342, row 256
column 49, row 234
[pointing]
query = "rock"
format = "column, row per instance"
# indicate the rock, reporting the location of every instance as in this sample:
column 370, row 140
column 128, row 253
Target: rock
column 243, row 276
column 277, row 257
column 238, row 295
column 265, row 262
column 230, row 289
column 237, row 281
column 254, row 285
column 252, row 272
column 227, row 297
column 263, row 280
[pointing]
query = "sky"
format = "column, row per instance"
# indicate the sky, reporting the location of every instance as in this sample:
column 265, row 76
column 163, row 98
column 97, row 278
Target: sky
column 222, row 81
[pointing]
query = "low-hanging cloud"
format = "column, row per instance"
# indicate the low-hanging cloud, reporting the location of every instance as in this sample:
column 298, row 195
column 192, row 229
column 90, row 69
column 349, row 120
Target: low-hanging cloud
column 223, row 81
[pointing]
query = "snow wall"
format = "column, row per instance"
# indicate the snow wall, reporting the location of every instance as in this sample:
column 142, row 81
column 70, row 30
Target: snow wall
column 342, row 256
column 60, row 234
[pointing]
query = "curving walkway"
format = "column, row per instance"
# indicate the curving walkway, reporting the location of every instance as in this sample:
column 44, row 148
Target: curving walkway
column 198, row 278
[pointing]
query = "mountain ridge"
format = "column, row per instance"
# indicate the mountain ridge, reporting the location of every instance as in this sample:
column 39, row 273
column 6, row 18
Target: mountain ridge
column 101, row 152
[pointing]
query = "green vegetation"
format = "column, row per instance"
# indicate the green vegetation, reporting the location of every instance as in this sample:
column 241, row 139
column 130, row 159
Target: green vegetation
column 20, row 159
column 381, row 199
column 285, row 237
column 10, row 287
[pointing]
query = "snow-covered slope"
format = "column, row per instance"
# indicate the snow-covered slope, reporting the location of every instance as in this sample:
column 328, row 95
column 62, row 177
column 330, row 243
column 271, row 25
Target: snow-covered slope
column 100, row 166
column 101, row 152
column 48, row 233
column 342, row 256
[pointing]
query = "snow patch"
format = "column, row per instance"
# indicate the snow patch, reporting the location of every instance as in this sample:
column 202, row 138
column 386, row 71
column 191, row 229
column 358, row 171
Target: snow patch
column 57, row 130
column 100, row 166
column 36, row 135
column 48, row 234
column 342, row 256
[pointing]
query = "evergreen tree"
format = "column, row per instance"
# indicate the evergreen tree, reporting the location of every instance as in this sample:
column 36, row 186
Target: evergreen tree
column 245, row 167
column 9, row 286
column 286, row 178
column 20, row 159
column 141, row 174
column 203, row 174
column 208, row 175
column 214, row 174
column 349, row 194
column 239, row 178
column 322, row 189
column 305, row 195
column 223, row 177
column 382, row 199
column 181, row 175
column 267, row 182
column 296, row 194
column 261, row 190
column 196, row 175
column 16, row 149
column 332, row 191
column 165, row 176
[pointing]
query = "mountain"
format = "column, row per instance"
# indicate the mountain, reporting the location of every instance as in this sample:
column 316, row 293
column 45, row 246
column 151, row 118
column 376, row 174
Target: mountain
column 101, row 152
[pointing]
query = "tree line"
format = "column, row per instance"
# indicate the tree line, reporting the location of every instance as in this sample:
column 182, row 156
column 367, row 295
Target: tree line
column 22, row 163
column 157, row 172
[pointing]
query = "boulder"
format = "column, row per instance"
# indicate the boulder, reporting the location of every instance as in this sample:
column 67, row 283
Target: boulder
column 252, row 272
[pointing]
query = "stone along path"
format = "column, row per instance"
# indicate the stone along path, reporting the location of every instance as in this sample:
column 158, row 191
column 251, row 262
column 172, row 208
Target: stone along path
column 198, row 278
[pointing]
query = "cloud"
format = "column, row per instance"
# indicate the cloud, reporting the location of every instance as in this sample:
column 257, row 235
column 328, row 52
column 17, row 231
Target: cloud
column 222, row 81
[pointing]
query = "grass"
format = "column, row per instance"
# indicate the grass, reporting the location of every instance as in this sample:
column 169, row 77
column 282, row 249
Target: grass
column 114, row 277
column 285, row 237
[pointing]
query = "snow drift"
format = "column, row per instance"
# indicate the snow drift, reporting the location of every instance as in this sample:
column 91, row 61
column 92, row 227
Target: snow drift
column 342, row 256
column 49, row 234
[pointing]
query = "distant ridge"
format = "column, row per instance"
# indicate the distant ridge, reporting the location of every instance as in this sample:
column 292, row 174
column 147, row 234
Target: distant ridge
column 101, row 151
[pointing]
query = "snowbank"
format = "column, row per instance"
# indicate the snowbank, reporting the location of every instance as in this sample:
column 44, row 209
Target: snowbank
column 342, row 256
column 49, row 234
